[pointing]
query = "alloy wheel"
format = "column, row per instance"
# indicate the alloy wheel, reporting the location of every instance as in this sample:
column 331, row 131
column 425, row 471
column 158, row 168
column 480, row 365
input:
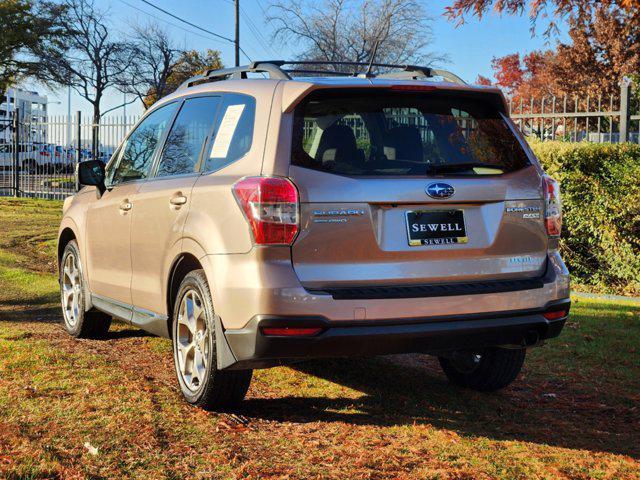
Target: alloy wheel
column 71, row 290
column 192, row 341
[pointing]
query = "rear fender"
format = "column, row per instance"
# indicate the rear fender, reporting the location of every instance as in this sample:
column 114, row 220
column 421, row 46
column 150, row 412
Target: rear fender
column 190, row 246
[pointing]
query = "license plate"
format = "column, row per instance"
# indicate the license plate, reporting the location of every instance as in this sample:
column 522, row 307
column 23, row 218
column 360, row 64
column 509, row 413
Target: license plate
column 436, row 227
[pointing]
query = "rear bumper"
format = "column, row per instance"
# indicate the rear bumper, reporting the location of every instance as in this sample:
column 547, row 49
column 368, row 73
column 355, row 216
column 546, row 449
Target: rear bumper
column 253, row 349
column 263, row 282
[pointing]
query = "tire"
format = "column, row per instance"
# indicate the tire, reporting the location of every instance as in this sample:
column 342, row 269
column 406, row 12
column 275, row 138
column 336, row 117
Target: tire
column 486, row 371
column 194, row 349
column 78, row 322
column 29, row 166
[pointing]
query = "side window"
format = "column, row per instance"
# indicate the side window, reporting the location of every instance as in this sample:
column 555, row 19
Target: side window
column 137, row 154
column 187, row 136
column 233, row 131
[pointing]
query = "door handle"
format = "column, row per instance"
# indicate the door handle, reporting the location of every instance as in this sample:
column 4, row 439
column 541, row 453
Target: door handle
column 178, row 200
column 126, row 205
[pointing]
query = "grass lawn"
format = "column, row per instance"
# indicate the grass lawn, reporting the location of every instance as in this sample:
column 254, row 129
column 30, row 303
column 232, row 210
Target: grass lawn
column 111, row 409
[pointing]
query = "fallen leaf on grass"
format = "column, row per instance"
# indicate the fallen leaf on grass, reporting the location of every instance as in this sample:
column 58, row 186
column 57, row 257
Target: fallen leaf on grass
column 236, row 427
column 234, row 422
column 90, row 448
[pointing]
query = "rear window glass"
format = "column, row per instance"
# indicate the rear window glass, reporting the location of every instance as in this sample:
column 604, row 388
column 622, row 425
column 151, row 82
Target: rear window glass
column 404, row 133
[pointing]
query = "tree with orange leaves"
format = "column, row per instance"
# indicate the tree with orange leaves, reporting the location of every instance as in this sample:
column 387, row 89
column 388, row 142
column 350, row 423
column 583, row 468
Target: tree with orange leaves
column 559, row 9
column 604, row 48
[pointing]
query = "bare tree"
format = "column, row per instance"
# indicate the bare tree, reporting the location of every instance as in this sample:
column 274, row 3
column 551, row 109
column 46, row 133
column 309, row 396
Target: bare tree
column 343, row 30
column 155, row 57
column 94, row 61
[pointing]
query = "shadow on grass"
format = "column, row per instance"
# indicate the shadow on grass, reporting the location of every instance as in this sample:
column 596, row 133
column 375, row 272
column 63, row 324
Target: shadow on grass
column 401, row 394
column 52, row 314
column 36, row 313
column 47, row 299
column 125, row 333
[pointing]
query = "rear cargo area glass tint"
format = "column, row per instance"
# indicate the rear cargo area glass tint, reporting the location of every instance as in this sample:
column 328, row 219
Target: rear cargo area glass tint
column 373, row 132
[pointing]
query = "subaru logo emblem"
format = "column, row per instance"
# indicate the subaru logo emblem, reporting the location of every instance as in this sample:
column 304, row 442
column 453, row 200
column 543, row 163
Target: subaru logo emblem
column 439, row 190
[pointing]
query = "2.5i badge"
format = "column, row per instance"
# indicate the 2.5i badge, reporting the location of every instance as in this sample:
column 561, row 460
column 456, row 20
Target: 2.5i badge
column 436, row 227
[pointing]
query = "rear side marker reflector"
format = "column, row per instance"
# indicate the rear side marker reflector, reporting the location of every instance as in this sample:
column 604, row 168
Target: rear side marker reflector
column 555, row 315
column 291, row 331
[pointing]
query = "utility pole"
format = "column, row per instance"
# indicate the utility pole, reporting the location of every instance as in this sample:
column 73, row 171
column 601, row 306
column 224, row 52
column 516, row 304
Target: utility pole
column 237, row 42
column 69, row 142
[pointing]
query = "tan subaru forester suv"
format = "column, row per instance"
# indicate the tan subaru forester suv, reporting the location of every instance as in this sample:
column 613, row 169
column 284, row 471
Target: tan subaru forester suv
column 260, row 216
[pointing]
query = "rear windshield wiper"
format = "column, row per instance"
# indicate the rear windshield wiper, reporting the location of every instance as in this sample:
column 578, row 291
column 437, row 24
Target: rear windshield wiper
column 460, row 167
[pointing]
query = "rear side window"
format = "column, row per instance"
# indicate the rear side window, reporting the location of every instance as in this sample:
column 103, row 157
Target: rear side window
column 403, row 133
column 233, row 132
column 188, row 134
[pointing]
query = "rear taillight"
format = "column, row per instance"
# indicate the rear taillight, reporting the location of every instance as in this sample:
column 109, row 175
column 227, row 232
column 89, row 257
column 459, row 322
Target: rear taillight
column 271, row 206
column 552, row 206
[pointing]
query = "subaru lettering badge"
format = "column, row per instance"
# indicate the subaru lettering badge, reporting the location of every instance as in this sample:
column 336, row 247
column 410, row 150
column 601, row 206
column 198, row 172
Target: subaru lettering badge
column 439, row 190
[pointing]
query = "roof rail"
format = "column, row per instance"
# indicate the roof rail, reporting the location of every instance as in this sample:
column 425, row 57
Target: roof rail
column 275, row 70
column 211, row 75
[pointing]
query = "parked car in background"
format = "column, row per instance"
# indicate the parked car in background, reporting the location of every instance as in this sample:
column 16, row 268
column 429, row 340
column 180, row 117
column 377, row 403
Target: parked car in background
column 53, row 159
column 104, row 154
column 62, row 159
column 263, row 221
column 28, row 157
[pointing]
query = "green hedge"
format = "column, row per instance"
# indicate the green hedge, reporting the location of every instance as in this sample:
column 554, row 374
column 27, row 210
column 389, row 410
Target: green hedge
column 600, row 185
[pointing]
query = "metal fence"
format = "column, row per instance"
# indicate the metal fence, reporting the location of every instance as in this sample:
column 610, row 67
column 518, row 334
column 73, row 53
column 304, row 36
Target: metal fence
column 39, row 158
column 594, row 119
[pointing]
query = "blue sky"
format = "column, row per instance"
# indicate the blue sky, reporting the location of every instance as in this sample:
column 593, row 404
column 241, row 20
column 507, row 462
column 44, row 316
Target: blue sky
column 470, row 47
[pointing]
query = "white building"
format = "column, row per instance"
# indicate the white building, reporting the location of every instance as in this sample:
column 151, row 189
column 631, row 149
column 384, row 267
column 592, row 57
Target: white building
column 33, row 111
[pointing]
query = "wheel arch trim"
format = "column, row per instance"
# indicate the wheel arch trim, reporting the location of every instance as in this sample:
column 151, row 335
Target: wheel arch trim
column 69, row 231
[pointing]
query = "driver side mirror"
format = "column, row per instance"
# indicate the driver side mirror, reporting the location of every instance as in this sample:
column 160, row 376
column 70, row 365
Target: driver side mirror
column 91, row 172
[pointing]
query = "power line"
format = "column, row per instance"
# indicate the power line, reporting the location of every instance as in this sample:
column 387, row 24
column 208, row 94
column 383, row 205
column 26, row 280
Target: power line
column 168, row 22
column 257, row 34
column 186, row 21
column 194, row 25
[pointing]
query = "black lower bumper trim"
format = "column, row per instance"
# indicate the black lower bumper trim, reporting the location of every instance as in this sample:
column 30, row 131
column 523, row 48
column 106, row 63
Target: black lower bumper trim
column 252, row 349
column 434, row 290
